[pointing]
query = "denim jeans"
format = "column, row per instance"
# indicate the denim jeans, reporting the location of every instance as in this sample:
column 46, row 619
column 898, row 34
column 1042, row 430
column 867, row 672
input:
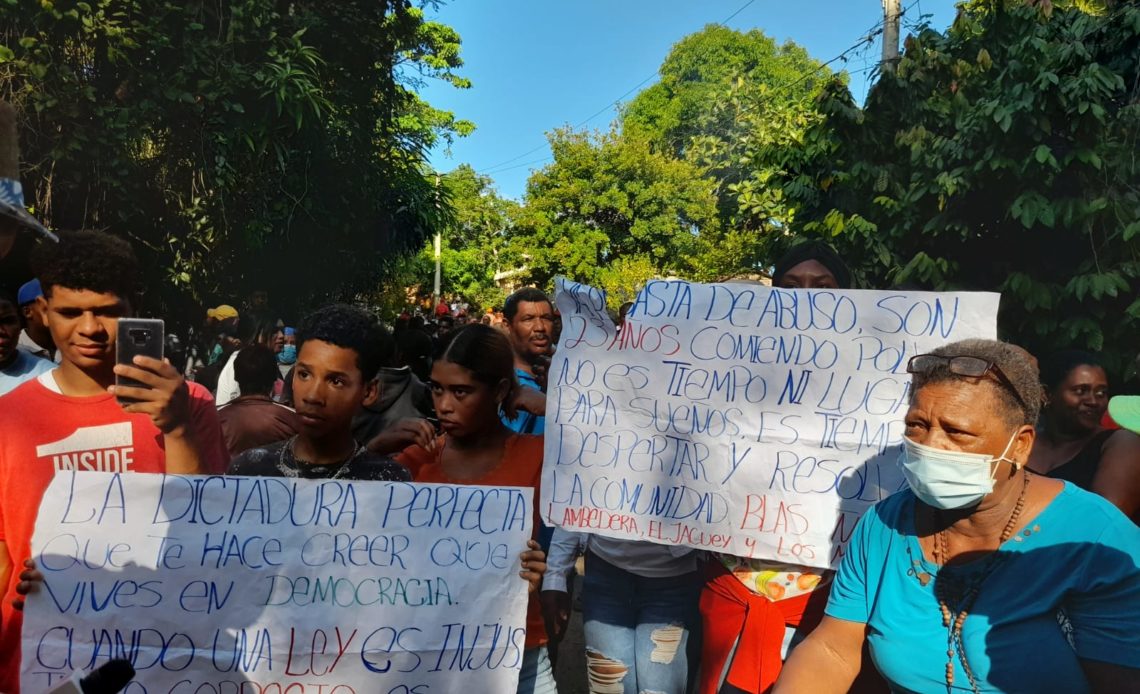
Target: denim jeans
column 642, row 634
column 537, row 676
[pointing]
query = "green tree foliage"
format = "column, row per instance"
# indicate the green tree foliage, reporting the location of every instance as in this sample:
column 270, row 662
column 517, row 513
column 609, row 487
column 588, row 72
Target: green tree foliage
column 608, row 199
column 736, row 105
column 748, row 164
column 1001, row 156
column 475, row 247
column 684, row 186
column 705, row 66
column 236, row 143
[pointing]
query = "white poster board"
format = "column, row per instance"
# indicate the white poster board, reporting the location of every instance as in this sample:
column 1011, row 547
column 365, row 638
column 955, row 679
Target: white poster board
column 737, row 418
column 254, row 584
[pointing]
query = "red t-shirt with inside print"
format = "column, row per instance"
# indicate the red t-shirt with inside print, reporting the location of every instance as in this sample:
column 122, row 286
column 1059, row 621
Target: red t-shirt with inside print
column 42, row 431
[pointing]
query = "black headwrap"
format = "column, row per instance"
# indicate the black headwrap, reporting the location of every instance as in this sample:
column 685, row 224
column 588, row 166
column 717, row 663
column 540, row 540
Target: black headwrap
column 819, row 252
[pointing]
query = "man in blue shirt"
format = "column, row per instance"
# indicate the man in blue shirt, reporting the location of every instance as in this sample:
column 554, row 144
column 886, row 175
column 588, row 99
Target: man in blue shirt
column 529, row 316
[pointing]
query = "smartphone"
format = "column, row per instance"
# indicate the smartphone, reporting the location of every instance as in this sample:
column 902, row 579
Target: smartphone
column 145, row 336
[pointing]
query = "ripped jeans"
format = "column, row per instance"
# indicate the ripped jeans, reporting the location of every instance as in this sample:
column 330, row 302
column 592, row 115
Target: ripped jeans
column 642, row 634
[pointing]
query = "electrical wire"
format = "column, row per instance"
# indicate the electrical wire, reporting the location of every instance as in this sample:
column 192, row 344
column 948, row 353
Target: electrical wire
column 866, row 40
column 548, row 157
column 492, row 169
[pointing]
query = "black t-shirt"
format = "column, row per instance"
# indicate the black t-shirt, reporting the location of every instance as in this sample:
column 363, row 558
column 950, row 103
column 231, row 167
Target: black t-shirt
column 278, row 460
column 1081, row 468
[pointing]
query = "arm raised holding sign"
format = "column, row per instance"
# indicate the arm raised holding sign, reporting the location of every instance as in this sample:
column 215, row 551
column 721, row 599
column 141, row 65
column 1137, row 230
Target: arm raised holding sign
column 533, row 565
column 530, row 400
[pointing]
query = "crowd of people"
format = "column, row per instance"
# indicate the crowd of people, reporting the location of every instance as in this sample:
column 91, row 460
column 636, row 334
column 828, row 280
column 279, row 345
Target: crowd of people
column 1011, row 562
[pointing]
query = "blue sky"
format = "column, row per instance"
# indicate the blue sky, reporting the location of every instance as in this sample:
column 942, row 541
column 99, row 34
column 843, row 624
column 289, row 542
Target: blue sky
column 539, row 64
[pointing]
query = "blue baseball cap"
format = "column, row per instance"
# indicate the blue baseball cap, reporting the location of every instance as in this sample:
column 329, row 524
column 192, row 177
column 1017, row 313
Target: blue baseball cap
column 29, row 292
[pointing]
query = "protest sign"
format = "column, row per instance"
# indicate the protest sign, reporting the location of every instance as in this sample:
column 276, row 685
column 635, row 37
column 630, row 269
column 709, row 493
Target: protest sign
column 248, row 585
column 738, row 418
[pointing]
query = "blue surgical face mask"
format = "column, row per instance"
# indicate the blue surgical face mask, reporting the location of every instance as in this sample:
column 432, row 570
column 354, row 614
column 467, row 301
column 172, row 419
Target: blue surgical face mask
column 950, row 479
column 287, row 355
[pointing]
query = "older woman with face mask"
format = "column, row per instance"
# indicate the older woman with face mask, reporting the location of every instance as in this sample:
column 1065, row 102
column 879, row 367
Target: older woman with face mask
column 982, row 576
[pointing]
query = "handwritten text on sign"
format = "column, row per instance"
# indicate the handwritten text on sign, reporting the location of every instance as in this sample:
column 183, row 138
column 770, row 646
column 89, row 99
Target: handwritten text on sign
column 246, row 585
column 738, row 418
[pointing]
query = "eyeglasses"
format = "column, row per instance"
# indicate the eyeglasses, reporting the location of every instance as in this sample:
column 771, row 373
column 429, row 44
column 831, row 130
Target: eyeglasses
column 970, row 367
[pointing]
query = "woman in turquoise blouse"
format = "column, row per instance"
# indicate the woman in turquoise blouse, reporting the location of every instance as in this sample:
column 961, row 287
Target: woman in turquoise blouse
column 982, row 576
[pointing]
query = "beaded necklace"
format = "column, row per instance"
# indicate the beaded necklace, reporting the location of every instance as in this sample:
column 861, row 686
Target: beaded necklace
column 294, row 470
column 951, row 589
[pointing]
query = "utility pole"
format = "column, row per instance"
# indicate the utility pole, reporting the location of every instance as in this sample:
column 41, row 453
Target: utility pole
column 435, row 292
column 891, row 14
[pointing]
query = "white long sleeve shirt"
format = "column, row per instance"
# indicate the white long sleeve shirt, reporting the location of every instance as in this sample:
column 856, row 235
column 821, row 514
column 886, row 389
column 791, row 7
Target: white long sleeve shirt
column 647, row 559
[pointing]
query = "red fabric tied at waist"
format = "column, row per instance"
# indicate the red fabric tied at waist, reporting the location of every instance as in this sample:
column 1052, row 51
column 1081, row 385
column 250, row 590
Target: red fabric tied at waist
column 730, row 610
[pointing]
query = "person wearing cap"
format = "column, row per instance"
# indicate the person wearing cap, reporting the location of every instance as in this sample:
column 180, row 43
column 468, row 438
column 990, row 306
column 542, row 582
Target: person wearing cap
column 223, row 320
column 222, row 313
column 35, row 337
column 811, row 265
column 16, row 365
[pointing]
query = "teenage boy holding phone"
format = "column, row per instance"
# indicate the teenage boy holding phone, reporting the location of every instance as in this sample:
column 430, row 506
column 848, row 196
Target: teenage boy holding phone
column 69, row 418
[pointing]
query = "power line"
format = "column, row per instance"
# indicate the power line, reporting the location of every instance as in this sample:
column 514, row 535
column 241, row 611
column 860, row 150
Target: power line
column 501, row 168
column 867, row 39
column 525, row 163
column 875, row 31
column 730, row 17
column 862, row 43
column 607, row 107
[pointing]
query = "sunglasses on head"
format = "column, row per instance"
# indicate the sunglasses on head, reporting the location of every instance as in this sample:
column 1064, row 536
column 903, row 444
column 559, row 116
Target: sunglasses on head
column 970, row 367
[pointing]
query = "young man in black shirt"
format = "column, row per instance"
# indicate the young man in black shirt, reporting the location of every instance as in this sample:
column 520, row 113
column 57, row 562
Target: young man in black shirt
column 338, row 357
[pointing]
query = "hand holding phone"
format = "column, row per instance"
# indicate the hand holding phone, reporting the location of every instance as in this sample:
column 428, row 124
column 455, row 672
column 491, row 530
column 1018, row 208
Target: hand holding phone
column 144, row 382
column 136, row 337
